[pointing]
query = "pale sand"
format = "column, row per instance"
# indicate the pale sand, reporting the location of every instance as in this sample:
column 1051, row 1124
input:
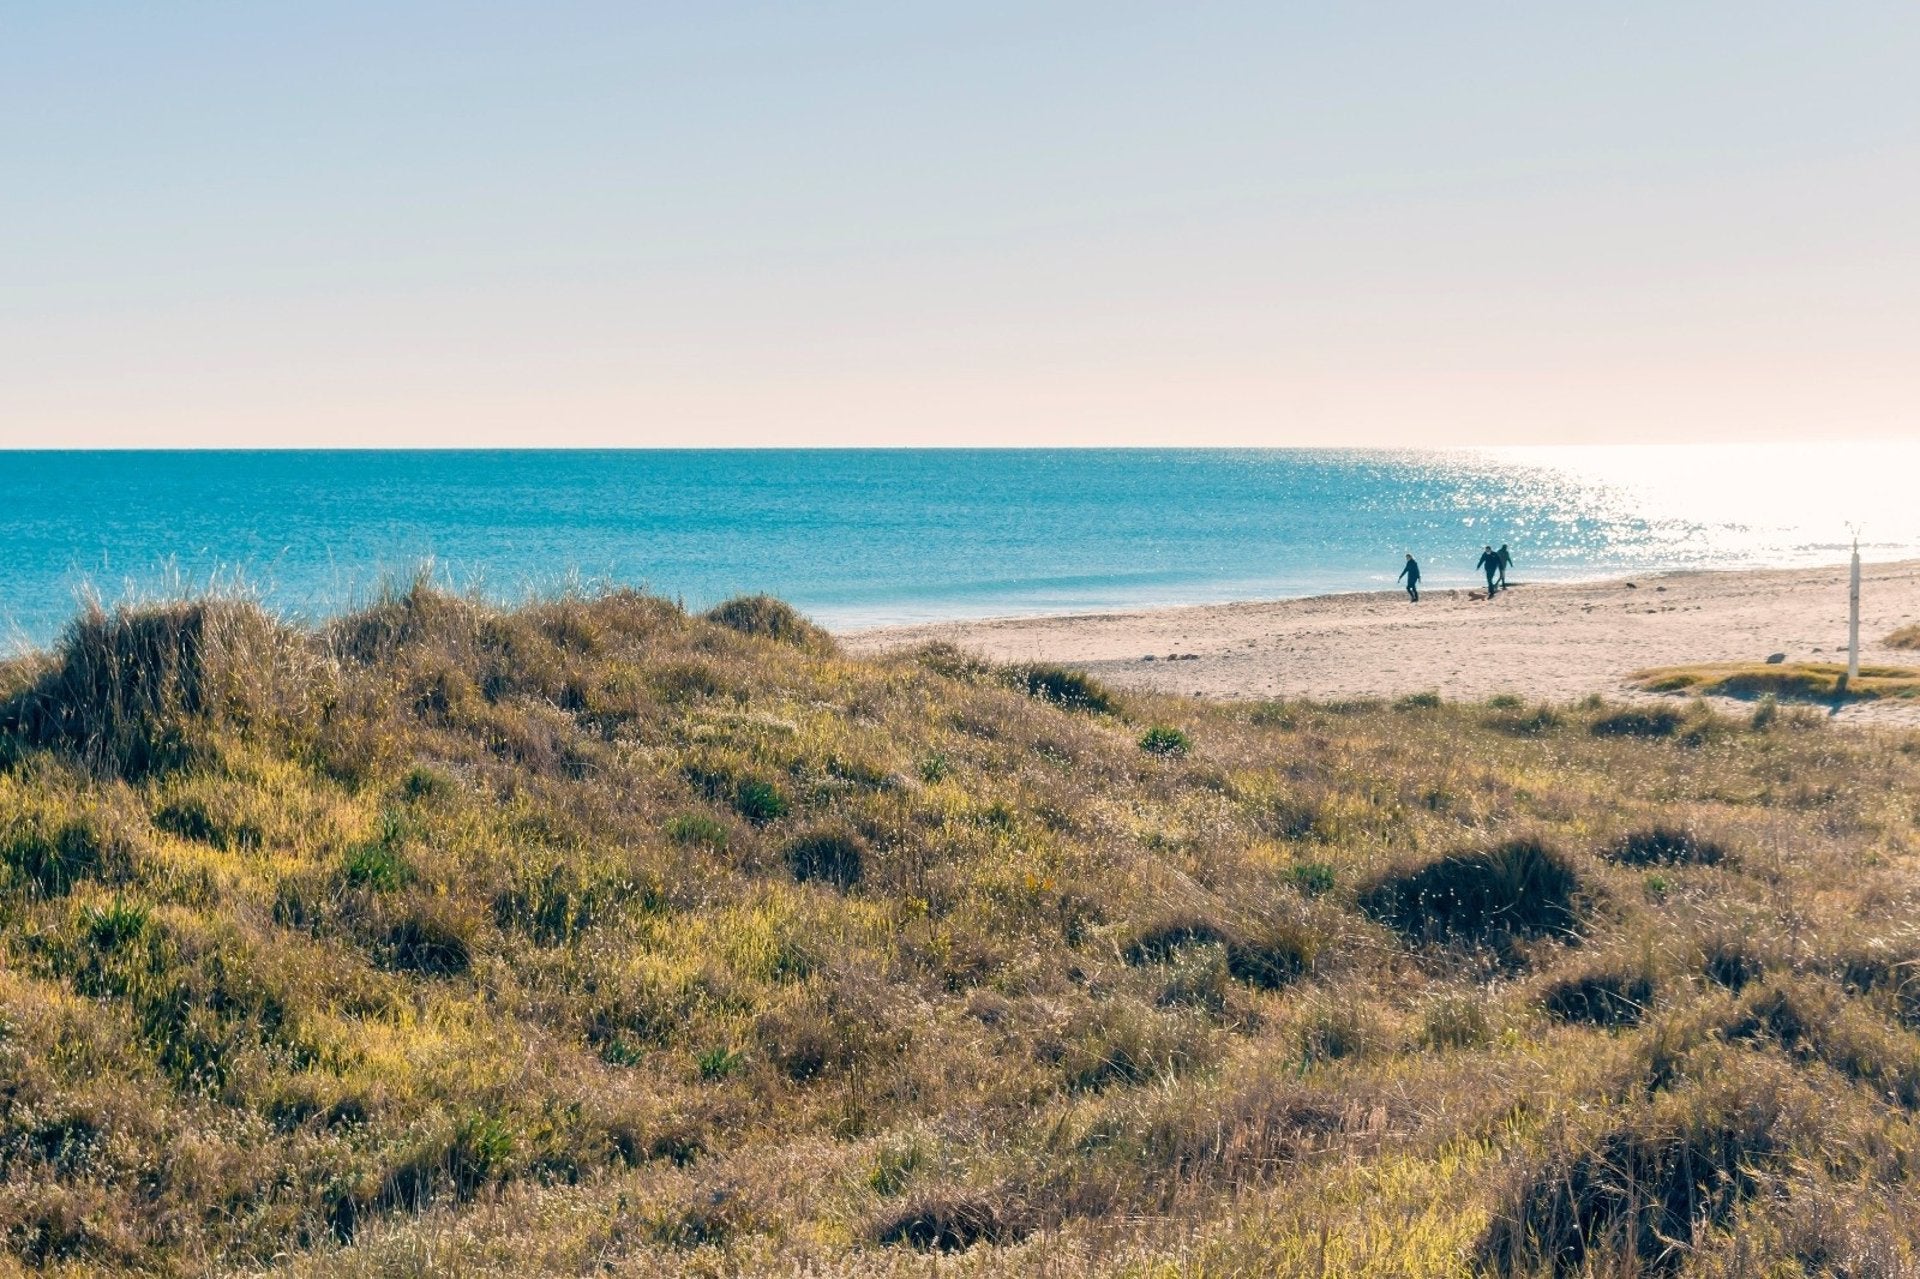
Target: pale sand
column 1551, row 642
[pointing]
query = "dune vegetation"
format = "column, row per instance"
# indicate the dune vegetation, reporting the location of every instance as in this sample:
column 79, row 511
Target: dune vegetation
column 1905, row 637
column 595, row 936
column 1796, row 681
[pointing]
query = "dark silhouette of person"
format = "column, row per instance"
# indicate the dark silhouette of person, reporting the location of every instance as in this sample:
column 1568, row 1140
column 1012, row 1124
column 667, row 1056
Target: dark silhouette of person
column 1490, row 561
column 1412, row 573
column 1506, row 562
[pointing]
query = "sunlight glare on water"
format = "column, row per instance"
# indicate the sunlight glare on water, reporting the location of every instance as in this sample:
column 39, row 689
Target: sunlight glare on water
column 1728, row 506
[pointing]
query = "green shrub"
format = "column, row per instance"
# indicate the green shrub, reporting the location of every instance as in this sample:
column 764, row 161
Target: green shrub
column 138, row 690
column 1515, row 722
column 1170, row 742
column 760, row 802
column 622, row 1052
column 1120, row 1043
column 375, row 866
column 1315, row 879
column 1733, row 961
column 116, row 925
column 482, row 1151
column 720, row 1061
column 1336, row 1030
column 423, row 783
column 554, row 903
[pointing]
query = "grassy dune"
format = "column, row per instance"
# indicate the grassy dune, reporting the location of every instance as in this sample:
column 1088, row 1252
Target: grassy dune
column 595, row 936
column 1801, row 681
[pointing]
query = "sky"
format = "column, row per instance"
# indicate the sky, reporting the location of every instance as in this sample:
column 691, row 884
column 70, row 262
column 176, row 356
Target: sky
column 635, row 224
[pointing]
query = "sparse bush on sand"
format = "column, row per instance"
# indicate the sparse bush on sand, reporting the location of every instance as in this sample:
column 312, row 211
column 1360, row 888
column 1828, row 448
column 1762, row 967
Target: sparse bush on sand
column 591, row 936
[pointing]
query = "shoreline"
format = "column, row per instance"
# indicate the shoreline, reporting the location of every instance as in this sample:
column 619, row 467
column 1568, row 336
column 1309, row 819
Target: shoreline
column 1545, row 641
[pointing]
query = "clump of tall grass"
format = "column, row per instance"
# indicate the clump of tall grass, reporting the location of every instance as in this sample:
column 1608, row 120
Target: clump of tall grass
column 955, row 1221
column 1074, row 690
column 1606, row 997
column 1518, row 889
column 1637, row 721
column 1647, row 1189
column 770, row 618
column 1666, row 846
column 135, row 690
column 1266, row 955
column 1164, row 740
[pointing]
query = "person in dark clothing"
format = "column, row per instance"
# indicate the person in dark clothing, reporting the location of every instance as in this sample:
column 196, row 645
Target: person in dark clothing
column 1412, row 573
column 1506, row 562
column 1490, row 561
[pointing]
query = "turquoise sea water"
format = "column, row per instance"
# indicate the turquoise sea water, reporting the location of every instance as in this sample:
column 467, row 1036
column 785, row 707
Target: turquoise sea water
column 859, row 537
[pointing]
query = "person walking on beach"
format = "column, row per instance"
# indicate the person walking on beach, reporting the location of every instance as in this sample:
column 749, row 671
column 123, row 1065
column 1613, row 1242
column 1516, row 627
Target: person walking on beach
column 1490, row 561
column 1412, row 573
column 1506, row 562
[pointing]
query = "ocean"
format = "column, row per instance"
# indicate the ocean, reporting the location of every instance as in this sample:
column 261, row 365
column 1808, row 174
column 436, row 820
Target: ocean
column 870, row 537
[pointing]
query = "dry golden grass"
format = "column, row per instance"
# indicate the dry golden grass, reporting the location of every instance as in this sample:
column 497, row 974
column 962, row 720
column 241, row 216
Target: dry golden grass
column 1906, row 637
column 1802, row 681
column 595, row 936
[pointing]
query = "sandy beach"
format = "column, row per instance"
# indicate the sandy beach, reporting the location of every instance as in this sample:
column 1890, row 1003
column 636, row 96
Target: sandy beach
column 1548, row 641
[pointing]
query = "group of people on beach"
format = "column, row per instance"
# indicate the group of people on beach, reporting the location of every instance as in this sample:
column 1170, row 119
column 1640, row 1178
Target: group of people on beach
column 1495, row 563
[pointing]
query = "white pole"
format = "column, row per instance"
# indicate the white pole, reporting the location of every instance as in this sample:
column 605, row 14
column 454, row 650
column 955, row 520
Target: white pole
column 1853, row 617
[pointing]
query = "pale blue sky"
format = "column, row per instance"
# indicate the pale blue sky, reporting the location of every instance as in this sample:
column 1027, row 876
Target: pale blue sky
column 568, row 222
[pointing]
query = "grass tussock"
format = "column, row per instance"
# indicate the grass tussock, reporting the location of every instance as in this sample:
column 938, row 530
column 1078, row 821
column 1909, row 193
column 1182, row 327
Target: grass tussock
column 133, row 691
column 1666, row 846
column 592, row 935
column 769, row 618
column 1907, row 637
column 1602, row 998
column 1518, row 890
column 1646, row 1192
column 1073, row 690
